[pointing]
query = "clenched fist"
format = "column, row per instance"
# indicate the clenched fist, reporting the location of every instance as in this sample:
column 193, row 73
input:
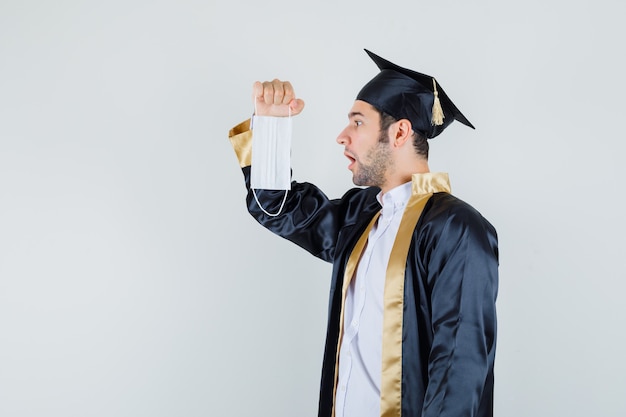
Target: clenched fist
column 275, row 98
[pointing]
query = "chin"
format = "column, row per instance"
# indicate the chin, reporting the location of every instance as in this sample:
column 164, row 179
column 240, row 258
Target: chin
column 359, row 183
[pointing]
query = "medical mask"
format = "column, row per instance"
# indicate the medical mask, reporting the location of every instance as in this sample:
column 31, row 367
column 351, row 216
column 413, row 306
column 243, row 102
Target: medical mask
column 271, row 155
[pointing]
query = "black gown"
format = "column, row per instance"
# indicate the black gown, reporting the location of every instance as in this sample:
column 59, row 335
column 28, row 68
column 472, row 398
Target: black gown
column 448, row 315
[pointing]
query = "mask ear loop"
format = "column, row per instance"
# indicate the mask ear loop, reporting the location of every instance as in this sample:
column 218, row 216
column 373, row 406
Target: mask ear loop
column 282, row 205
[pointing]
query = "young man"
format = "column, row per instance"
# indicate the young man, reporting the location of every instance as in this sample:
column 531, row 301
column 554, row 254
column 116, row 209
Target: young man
column 412, row 318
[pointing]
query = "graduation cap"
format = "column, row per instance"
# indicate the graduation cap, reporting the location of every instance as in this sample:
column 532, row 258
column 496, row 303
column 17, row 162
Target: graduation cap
column 406, row 94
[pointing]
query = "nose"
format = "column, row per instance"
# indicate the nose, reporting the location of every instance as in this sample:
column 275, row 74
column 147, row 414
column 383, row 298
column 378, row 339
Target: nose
column 343, row 137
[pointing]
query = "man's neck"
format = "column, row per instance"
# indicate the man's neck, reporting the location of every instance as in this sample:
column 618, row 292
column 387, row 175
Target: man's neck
column 403, row 177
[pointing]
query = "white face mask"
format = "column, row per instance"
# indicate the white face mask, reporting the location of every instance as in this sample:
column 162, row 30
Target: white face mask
column 271, row 153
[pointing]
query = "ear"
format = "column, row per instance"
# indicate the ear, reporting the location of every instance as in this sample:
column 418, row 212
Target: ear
column 402, row 132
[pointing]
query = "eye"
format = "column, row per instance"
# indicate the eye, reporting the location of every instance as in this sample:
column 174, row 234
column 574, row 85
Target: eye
column 358, row 123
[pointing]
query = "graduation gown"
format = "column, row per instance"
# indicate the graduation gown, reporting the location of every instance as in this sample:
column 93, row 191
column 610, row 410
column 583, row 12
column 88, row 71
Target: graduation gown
column 439, row 336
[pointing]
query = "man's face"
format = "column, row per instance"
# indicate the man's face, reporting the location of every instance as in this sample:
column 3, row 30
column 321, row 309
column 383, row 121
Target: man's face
column 366, row 146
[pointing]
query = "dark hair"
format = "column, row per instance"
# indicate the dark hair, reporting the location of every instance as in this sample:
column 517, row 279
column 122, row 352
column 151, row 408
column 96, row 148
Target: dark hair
column 420, row 143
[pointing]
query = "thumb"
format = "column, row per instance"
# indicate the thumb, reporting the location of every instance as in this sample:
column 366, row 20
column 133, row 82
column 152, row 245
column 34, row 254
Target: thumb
column 296, row 106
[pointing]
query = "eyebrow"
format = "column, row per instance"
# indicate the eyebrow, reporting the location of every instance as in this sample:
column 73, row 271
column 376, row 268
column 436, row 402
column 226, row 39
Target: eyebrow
column 355, row 113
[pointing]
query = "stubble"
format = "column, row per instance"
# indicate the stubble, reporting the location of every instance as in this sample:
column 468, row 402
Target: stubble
column 372, row 172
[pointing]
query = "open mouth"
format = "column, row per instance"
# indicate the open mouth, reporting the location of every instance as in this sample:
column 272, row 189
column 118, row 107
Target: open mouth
column 351, row 159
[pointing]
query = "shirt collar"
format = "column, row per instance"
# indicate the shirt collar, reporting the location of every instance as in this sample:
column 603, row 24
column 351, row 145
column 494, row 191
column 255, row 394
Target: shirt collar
column 396, row 198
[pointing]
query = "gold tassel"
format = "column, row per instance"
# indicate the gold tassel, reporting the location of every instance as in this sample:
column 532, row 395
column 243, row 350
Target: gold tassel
column 437, row 119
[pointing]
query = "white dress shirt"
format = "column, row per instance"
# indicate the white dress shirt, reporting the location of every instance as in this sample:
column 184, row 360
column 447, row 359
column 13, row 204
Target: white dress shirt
column 360, row 355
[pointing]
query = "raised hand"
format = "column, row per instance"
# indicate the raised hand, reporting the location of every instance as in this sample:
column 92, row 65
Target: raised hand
column 275, row 98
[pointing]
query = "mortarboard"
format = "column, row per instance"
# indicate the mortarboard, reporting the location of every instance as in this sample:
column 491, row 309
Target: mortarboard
column 407, row 94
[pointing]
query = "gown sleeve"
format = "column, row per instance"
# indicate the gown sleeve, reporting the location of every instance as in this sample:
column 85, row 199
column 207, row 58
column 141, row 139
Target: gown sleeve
column 462, row 273
column 308, row 218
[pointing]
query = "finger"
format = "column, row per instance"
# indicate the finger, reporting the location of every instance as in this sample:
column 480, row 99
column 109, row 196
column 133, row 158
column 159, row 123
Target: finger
column 279, row 91
column 268, row 92
column 289, row 93
column 257, row 90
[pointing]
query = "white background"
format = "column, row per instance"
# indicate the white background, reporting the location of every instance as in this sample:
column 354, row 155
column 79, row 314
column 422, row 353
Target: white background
column 134, row 283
